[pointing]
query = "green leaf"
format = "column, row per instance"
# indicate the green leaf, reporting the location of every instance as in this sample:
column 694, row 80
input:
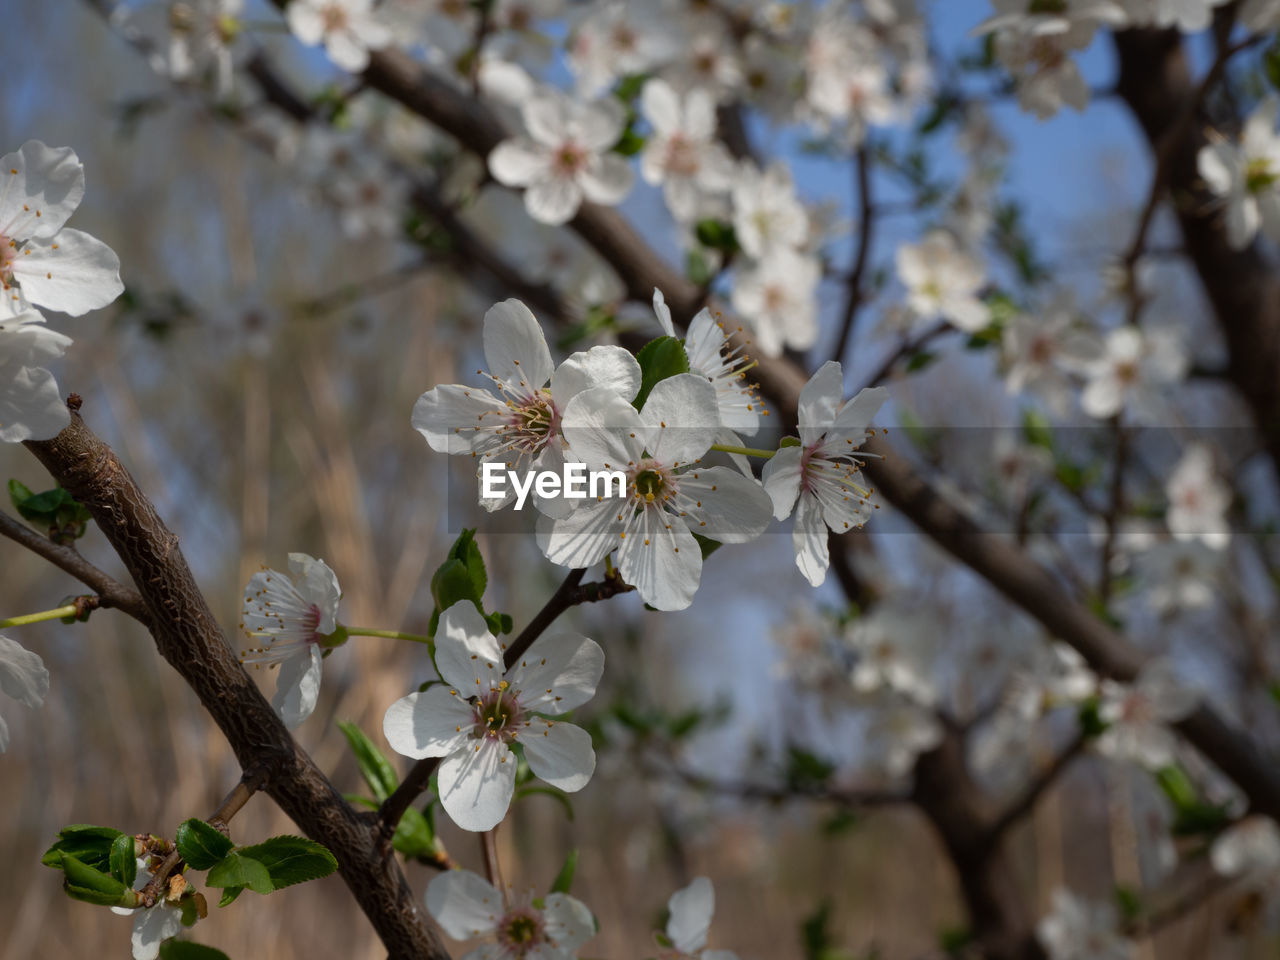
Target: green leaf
column 124, row 861
column 789, row 442
column 89, row 844
column 291, row 860
column 920, row 359
column 466, row 550
column 629, row 87
column 564, row 879
column 374, row 767
column 229, row 896
column 85, row 883
column 1129, row 902
column 19, row 493
column 1271, row 65
column 1037, row 429
column 414, row 836
column 201, row 844
column 1091, row 722
column 717, row 234
column 697, row 268
column 659, row 359
column 806, row 770
column 238, row 870
column 186, row 950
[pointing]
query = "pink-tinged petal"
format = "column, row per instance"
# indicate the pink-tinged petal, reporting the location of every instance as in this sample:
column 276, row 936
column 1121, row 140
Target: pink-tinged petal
column 553, row 201
column 73, row 273
column 40, row 187
column 519, row 162
column 819, row 401
column 464, row 904
column 467, row 654
column 809, row 539
column 559, row 753
column 690, row 915
column 662, row 560
column 515, row 347
column 681, row 416
column 298, row 685
column 449, row 416
column 432, row 723
column 724, row 505
column 558, row 673
column 606, row 365
column 318, row 585
column 476, row 784
column 607, row 179
column 782, row 480
column 603, row 429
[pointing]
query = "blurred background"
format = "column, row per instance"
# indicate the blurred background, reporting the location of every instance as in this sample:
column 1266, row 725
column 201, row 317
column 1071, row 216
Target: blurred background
column 258, row 380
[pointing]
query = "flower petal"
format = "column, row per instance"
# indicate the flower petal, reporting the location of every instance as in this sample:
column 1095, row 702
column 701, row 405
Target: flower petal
column 449, row 415
column 781, row 477
column 607, row 179
column 691, row 910
column 73, row 273
column 22, row 674
column 553, row 201
column 515, row 347
column 432, row 723
column 559, row 672
column 476, row 784
column 730, row 508
column 662, row 560
column 606, row 365
column 681, row 418
column 559, row 753
column 40, row 187
column 464, row 904
column 569, row 922
column 519, row 162
column 468, row 656
column 298, row 685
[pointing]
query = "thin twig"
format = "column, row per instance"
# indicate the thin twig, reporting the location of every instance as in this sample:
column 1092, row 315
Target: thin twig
column 1035, row 788
column 866, row 220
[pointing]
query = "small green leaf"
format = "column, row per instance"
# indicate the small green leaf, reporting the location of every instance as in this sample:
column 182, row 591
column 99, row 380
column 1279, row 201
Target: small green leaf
column 717, row 234
column 229, row 896
column 697, row 268
column 85, row 883
column 186, row 950
column 920, row 359
column 414, row 836
column 289, row 860
column 659, row 359
column 806, row 770
column 238, row 870
column 89, row 844
column 201, row 844
column 124, row 860
column 564, row 879
column 1129, row 902
column 789, row 442
column 374, row 767
column 1037, row 429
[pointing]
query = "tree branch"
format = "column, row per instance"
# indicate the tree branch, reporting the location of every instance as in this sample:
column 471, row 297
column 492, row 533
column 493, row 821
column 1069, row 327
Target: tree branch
column 866, row 221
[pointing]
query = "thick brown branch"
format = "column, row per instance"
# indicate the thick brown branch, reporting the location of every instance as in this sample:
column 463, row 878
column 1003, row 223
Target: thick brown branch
column 189, row 638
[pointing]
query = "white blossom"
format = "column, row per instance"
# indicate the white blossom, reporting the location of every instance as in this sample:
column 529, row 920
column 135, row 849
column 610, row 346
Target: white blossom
column 896, row 649
column 481, row 708
column 683, row 154
column 767, row 216
column 565, row 157
column 1189, row 16
column 200, row 36
column 1246, row 176
column 295, row 617
column 820, row 478
column 1077, row 929
column 1138, row 715
column 44, row 263
column 349, row 29
column 31, row 408
column 943, row 281
column 1133, row 370
column 690, row 910
column 23, row 677
column 615, row 40
column 778, row 297
column 1198, row 499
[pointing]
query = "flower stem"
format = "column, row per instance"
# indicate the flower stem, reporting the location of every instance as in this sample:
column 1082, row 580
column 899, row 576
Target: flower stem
column 388, row 634
column 57, row 613
column 745, row 451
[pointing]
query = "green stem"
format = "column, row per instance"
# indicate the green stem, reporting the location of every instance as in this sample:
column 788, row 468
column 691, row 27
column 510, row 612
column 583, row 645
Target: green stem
column 57, row 613
column 387, row 634
column 745, row 451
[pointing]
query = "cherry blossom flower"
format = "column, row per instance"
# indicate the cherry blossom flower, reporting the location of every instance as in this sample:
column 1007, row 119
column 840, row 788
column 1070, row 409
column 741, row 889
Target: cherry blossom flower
column 943, row 281
column 1198, row 500
column 766, row 214
column 295, row 615
column 1041, row 349
column 23, row 677
column 818, row 478
column 1138, row 715
column 689, row 921
column 565, row 157
column 1079, row 930
column 43, row 263
column 668, row 497
column 707, row 346
column 1250, row 850
column 200, row 36
column 707, row 60
column 1246, row 176
column 1134, row 367
column 468, row 907
column 896, row 649
column 521, row 425
column 616, row 40
column 898, row 731
column 153, row 925
column 778, row 296
column 472, row 719
column 31, row 408
column 1173, row 575
column 349, row 29
column 683, row 154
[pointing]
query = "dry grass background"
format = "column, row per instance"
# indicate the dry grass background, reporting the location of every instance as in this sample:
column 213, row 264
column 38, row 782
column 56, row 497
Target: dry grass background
column 259, row 431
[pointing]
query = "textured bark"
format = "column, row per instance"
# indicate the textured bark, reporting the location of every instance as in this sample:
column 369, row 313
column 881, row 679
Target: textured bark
column 189, row 638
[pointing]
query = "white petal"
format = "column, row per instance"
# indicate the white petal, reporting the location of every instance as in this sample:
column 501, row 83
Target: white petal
column 663, row 313
column 432, row 723
column 819, row 401
column 519, row 162
column 681, row 418
column 606, row 365
column 553, row 201
column 559, row 753
column 298, row 685
column 602, row 429
column 586, row 535
column 38, row 178
column 559, row 672
column 569, row 922
column 691, row 910
column 464, row 904
column 734, row 508
column 781, row 477
column 661, row 106
column 31, row 407
column 597, row 126
column 22, row 674
column 346, row 51
column 449, row 415
column 73, row 273
column 318, row 584
column 305, row 22
column 809, row 539
column 467, row 654
column 607, row 179
column 153, row 926
column 545, row 117
column 855, row 416
column 662, row 560
column 515, row 347
column 699, row 114
column 476, row 784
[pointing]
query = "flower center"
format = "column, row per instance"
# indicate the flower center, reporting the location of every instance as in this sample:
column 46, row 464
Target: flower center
column 530, row 422
column 497, row 714
column 521, row 930
column 569, row 159
column 682, row 156
column 1258, row 175
column 334, row 17
column 649, row 485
